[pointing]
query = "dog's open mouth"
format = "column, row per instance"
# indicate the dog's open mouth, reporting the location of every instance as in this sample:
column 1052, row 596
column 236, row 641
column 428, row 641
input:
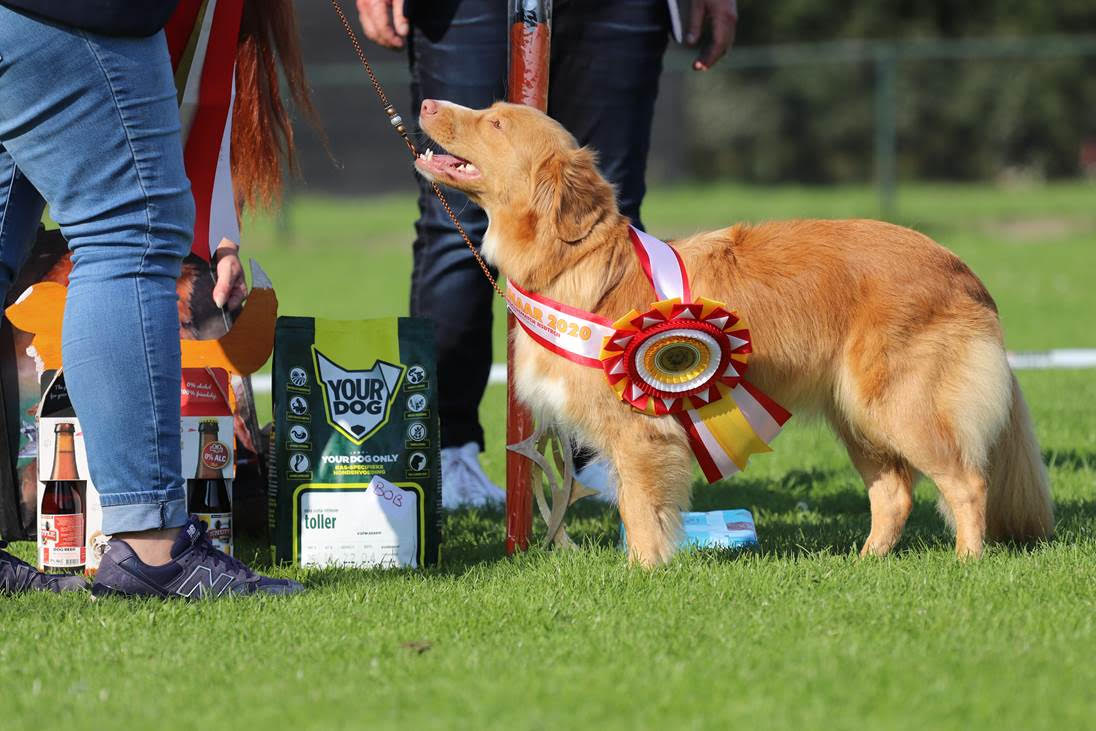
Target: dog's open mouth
column 448, row 165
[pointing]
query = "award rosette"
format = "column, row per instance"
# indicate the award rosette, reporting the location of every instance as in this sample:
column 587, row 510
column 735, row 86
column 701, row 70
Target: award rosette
column 687, row 359
column 683, row 357
column 676, row 355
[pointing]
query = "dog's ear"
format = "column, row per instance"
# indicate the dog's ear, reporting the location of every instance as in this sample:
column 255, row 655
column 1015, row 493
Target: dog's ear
column 569, row 190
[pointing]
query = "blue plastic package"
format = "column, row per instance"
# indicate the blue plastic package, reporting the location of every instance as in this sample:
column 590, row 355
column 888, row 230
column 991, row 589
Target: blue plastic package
column 715, row 529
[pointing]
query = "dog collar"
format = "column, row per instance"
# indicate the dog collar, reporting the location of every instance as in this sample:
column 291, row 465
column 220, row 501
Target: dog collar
column 683, row 357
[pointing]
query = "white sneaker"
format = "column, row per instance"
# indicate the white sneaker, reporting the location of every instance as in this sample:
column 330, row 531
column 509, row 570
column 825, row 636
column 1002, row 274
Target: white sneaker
column 463, row 481
column 598, row 474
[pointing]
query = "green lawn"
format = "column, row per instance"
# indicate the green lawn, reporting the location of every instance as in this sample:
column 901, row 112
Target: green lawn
column 802, row 634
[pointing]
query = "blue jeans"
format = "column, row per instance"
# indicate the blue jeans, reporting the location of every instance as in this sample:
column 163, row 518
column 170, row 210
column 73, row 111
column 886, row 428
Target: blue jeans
column 603, row 81
column 90, row 125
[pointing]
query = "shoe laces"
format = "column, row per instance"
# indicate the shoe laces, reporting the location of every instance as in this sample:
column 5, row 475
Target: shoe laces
column 219, row 558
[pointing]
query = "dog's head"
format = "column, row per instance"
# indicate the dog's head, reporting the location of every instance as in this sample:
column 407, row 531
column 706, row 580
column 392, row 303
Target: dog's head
column 514, row 159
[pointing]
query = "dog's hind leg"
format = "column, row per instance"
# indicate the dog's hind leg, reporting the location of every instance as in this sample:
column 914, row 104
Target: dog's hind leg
column 965, row 493
column 890, row 488
column 889, row 480
column 890, row 491
column 961, row 407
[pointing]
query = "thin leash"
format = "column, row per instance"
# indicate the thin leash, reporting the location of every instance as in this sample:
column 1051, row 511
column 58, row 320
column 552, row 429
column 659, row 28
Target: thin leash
column 398, row 124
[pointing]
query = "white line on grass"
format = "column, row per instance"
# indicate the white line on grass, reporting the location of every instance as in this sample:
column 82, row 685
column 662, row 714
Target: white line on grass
column 1066, row 358
column 1053, row 359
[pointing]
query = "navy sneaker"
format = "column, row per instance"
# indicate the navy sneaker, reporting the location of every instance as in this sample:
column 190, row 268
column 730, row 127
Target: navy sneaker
column 18, row 576
column 196, row 570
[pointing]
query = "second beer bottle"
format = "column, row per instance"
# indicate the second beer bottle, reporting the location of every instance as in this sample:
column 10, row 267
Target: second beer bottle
column 208, row 492
column 61, row 515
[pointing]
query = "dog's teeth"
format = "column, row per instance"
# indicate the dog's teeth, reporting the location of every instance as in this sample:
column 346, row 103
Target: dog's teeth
column 428, row 154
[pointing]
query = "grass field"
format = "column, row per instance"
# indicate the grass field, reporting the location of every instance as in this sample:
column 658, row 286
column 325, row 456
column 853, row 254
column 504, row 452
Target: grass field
column 802, row 634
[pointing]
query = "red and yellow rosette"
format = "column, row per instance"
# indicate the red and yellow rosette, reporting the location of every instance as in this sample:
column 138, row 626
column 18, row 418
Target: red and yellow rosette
column 688, row 359
column 676, row 355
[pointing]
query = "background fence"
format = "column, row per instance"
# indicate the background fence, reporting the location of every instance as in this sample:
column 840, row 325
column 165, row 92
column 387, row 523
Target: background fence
column 826, row 112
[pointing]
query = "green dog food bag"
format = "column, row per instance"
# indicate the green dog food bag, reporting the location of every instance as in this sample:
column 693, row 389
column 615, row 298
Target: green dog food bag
column 355, row 476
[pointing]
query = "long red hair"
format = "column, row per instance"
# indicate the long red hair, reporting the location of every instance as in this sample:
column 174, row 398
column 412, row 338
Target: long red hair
column 262, row 131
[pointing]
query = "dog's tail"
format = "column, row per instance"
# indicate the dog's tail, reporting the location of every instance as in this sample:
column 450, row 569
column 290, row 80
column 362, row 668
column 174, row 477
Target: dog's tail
column 1019, row 506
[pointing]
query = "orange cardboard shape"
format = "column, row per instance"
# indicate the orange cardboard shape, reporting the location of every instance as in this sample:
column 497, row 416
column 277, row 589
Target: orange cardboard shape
column 241, row 351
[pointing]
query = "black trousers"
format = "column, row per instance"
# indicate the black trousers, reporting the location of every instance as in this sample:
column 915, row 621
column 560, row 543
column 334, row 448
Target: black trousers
column 603, row 80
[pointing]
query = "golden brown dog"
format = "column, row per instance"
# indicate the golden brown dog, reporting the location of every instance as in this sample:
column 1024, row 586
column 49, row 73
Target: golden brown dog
column 883, row 332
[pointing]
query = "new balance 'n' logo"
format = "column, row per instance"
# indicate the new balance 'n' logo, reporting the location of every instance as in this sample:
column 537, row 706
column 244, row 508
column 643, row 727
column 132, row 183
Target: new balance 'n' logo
column 201, row 581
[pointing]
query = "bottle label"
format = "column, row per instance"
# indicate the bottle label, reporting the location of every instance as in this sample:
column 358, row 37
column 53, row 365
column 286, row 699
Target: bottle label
column 219, row 530
column 215, row 455
column 62, row 538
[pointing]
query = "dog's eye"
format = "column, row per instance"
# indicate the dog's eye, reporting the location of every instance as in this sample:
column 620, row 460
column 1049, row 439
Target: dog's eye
column 496, row 124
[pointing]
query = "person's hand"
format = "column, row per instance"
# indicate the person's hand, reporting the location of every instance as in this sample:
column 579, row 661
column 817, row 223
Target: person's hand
column 230, row 288
column 383, row 22
column 720, row 16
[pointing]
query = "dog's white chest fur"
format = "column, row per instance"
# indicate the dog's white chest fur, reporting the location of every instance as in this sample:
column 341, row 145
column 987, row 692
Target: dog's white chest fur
column 489, row 246
column 542, row 388
column 547, row 395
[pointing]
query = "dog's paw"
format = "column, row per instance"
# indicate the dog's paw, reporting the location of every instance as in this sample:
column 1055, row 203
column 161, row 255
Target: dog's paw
column 657, row 545
column 650, row 559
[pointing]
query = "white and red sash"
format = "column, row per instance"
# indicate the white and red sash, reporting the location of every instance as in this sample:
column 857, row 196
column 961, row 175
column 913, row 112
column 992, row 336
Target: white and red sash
column 682, row 357
column 662, row 265
column 566, row 331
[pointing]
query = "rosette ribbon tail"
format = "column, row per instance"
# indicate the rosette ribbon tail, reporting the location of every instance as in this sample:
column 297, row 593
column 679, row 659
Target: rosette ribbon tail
column 724, row 434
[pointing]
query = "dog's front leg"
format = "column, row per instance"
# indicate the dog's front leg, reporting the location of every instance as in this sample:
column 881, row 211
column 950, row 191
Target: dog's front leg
column 653, row 460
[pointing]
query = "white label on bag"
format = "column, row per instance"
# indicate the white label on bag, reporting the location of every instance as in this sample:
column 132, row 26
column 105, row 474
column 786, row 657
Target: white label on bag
column 372, row 526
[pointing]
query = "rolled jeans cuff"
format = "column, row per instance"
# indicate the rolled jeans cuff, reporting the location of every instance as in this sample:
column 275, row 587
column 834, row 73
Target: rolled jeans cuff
column 133, row 512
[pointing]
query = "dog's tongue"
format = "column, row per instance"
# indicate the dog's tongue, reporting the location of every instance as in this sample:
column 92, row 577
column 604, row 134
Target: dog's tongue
column 447, row 163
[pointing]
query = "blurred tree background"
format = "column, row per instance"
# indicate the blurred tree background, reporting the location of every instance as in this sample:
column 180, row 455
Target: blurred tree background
column 798, row 99
column 956, row 119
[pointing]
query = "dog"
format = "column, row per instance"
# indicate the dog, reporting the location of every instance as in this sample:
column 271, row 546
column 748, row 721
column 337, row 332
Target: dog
column 874, row 327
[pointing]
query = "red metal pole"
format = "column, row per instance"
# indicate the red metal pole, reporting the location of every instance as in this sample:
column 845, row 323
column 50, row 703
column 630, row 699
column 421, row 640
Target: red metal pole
column 530, row 36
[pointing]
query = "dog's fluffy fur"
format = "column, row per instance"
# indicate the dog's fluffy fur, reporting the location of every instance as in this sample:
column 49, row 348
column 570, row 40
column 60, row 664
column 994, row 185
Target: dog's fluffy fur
column 875, row 327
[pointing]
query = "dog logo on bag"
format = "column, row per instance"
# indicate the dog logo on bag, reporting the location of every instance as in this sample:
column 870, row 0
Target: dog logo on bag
column 357, row 402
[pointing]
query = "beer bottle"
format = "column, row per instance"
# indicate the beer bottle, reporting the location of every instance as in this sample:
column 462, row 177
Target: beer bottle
column 61, row 517
column 208, row 491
